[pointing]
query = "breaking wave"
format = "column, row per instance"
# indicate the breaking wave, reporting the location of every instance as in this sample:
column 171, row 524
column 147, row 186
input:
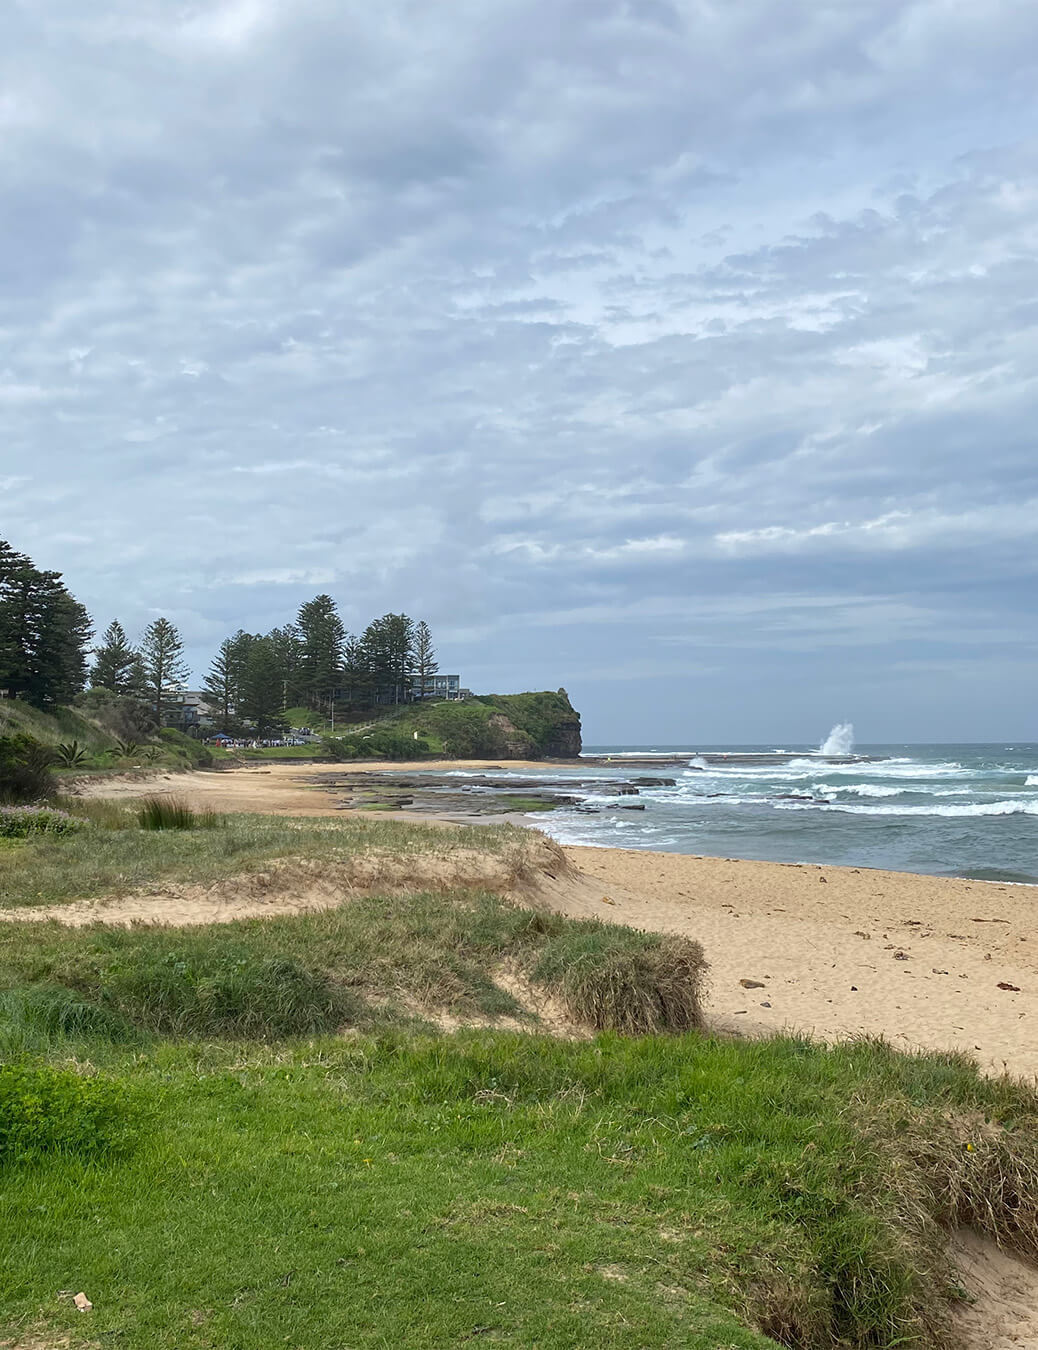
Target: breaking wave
column 840, row 740
column 1007, row 808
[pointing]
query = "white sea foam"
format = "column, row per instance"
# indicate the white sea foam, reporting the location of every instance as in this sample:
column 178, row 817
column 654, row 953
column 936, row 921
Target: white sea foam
column 1031, row 780
column 1006, row 808
column 859, row 789
column 840, row 740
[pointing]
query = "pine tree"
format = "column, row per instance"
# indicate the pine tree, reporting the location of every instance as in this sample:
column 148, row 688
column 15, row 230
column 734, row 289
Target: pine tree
column 425, row 661
column 322, row 641
column 117, row 665
column 390, row 646
column 260, row 697
column 62, row 630
column 15, row 573
column 44, row 632
column 357, row 672
column 288, row 652
column 221, row 685
column 162, row 654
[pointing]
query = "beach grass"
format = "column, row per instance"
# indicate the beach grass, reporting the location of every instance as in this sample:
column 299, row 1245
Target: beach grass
column 376, row 960
column 117, row 857
column 427, row 1191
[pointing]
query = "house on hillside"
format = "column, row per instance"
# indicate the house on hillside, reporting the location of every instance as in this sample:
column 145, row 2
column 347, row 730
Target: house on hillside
column 186, row 709
column 434, row 686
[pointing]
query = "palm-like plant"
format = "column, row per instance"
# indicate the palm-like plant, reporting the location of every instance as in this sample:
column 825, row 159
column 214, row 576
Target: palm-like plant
column 70, row 754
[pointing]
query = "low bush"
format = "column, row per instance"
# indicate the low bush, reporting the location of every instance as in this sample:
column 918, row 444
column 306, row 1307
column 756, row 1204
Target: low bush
column 381, row 743
column 616, row 980
column 191, row 989
column 19, row 822
column 24, row 769
column 45, row 1110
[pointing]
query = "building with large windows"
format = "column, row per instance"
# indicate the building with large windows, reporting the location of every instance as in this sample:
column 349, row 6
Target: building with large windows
column 435, row 686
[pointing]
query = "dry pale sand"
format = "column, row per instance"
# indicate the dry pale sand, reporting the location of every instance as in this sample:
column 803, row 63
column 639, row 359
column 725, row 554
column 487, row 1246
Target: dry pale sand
column 844, row 951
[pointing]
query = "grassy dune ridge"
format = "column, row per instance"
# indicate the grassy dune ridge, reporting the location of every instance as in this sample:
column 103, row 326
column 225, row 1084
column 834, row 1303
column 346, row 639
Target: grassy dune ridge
column 294, row 1155
column 118, row 857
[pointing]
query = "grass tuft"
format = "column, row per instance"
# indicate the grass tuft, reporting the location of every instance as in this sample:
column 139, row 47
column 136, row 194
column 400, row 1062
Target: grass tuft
column 957, row 1167
column 100, row 811
column 617, row 980
column 31, row 1016
column 171, row 813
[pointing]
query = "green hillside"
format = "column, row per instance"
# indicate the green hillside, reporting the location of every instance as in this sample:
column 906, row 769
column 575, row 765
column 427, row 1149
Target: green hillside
column 96, row 736
column 541, row 725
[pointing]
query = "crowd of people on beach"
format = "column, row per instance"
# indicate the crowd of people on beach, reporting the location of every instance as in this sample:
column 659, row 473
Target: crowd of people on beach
column 253, row 743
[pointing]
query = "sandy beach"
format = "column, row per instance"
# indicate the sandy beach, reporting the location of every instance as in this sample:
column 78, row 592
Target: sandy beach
column 827, row 951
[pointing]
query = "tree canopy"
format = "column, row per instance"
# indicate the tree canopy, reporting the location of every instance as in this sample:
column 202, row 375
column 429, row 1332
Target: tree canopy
column 44, row 633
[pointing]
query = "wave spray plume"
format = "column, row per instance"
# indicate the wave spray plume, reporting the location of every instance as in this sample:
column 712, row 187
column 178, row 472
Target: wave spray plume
column 840, row 740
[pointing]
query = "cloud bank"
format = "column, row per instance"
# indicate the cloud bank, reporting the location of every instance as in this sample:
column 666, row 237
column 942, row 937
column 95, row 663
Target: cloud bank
column 683, row 353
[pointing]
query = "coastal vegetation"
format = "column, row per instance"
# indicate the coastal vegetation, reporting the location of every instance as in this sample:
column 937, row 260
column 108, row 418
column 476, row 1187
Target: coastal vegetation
column 285, row 1143
column 335, row 695
column 506, row 726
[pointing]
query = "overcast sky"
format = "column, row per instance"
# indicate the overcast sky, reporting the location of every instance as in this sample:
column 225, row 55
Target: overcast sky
column 680, row 353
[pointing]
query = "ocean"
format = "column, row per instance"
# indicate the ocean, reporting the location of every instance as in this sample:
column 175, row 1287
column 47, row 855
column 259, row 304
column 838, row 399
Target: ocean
column 946, row 810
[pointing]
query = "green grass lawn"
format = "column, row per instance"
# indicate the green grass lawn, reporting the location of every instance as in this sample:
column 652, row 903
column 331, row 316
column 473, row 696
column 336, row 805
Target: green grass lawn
column 410, row 1191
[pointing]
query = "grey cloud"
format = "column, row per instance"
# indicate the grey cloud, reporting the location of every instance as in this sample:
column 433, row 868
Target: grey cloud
column 573, row 328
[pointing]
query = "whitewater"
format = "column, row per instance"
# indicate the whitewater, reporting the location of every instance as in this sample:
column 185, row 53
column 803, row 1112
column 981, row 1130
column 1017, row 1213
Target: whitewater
column 953, row 810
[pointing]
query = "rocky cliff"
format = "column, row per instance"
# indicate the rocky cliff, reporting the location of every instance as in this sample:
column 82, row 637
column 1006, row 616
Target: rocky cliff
column 541, row 725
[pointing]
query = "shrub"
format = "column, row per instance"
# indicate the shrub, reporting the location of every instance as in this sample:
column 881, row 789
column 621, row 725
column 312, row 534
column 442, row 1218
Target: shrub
column 44, row 1110
column 171, row 813
column 636, row 984
column 381, row 743
column 120, row 715
column 228, row 992
column 19, row 822
column 24, row 769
